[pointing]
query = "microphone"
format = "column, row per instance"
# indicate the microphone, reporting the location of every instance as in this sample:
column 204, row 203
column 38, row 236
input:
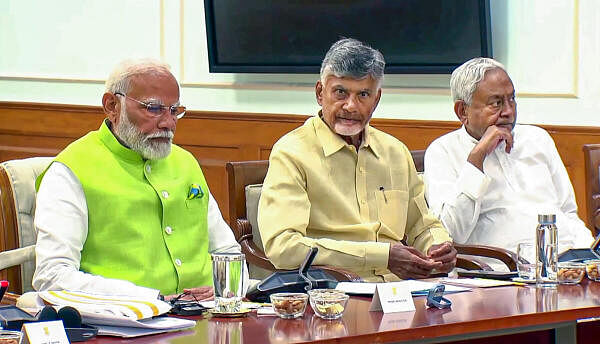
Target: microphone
column 70, row 317
column 48, row 313
column 303, row 270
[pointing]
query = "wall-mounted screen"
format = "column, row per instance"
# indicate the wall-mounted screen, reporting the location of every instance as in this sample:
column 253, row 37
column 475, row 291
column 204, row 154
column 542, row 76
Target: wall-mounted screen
column 292, row 36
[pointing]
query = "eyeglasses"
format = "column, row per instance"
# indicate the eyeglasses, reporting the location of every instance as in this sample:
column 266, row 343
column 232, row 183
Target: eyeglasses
column 157, row 109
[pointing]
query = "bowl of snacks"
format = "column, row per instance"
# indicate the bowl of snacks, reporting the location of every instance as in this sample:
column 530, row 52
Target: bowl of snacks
column 328, row 303
column 570, row 272
column 289, row 305
column 592, row 268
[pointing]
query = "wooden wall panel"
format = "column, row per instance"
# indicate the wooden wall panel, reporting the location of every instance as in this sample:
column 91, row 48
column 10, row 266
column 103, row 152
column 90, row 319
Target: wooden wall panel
column 32, row 129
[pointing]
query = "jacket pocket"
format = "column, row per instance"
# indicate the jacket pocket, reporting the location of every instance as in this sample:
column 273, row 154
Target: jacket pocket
column 194, row 203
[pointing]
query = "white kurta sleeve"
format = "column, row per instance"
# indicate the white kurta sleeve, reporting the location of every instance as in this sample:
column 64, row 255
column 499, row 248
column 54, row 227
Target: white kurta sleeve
column 454, row 195
column 220, row 236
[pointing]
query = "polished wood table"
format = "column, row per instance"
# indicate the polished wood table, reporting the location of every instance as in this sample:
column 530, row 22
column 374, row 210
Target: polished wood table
column 478, row 313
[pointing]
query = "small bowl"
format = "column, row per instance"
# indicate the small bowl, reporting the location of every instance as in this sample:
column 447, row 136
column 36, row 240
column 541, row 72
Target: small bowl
column 570, row 272
column 289, row 305
column 592, row 268
column 328, row 303
column 10, row 337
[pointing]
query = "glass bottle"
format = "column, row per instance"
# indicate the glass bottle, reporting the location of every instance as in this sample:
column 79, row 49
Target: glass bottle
column 546, row 268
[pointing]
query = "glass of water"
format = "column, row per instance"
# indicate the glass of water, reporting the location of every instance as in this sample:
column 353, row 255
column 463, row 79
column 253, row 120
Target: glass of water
column 228, row 281
column 526, row 260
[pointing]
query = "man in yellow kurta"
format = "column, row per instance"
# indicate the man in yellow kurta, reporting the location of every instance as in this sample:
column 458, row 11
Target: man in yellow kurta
column 347, row 188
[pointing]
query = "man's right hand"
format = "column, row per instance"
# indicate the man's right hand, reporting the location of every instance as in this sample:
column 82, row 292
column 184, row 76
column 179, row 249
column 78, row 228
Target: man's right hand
column 492, row 137
column 193, row 294
column 408, row 262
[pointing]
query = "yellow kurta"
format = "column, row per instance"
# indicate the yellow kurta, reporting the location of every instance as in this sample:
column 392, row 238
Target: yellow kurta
column 320, row 192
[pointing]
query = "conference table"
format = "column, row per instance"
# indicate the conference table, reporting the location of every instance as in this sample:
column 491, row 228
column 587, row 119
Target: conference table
column 480, row 312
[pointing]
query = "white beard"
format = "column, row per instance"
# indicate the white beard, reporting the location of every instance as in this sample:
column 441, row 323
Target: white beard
column 141, row 143
column 346, row 130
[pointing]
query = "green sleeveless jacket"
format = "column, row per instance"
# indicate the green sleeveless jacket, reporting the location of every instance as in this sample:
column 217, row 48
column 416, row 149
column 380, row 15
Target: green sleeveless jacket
column 142, row 226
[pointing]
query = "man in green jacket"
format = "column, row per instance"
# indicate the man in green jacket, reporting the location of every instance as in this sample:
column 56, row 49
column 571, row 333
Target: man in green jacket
column 124, row 211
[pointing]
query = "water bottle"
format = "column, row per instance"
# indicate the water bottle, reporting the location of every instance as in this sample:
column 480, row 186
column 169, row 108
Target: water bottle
column 546, row 267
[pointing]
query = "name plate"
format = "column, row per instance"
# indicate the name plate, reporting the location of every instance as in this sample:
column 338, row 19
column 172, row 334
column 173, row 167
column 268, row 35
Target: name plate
column 46, row 332
column 391, row 298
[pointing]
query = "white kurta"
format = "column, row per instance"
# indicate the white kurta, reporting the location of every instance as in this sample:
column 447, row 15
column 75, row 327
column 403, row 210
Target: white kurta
column 499, row 207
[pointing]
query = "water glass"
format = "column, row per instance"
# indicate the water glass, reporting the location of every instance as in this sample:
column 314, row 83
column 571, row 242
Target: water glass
column 526, row 260
column 228, row 281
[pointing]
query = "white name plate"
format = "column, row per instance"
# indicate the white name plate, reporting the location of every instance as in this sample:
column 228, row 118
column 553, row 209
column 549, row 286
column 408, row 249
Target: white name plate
column 46, row 332
column 392, row 297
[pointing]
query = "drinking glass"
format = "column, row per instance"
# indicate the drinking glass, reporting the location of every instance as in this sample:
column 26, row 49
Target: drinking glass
column 526, row 260
column 228, row 280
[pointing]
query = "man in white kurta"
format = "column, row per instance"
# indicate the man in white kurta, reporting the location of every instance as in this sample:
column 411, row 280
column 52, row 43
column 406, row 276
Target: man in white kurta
column 488, row 180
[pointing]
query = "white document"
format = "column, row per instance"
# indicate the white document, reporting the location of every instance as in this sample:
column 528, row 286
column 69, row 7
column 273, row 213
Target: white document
column 357, row 288
column 392, row 298
column 416, row 287
column 146, row 327
column 478, row 282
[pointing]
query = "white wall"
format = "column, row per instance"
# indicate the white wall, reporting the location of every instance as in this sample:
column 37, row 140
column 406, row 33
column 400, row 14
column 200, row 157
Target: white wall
column 60, row 51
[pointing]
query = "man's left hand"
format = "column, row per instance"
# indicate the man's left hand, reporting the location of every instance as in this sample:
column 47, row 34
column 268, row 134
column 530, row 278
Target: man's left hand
column 444, row 253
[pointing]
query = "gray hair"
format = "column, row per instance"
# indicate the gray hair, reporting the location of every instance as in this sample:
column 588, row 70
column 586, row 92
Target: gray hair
column 119, row 79
column 349, row 57
column 466, row 77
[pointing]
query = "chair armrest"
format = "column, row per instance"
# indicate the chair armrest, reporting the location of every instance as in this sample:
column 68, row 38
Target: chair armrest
column 507, row 257
column 241, row 229
column 254, row 255
column 10, row 298
column 16, row 256
column 596, row 214
column 469, row 262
